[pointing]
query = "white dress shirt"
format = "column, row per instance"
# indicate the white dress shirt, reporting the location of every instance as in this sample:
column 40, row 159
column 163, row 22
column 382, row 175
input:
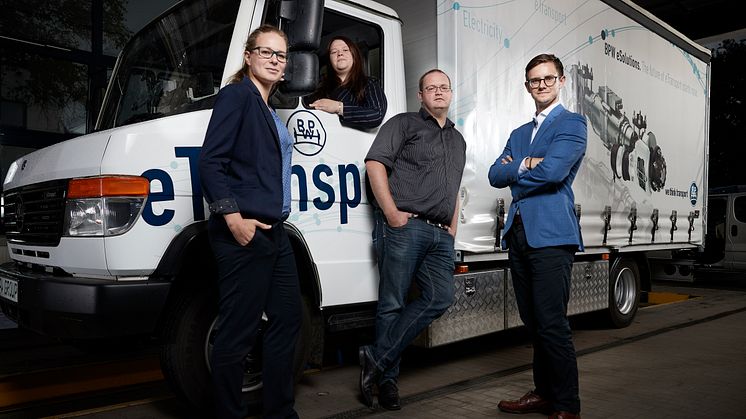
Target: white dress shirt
column 538, row 120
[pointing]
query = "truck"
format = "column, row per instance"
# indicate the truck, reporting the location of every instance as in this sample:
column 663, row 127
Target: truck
column 107, row 231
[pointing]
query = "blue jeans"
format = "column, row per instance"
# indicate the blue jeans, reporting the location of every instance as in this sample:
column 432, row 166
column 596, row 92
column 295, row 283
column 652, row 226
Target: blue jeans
column 416, row 251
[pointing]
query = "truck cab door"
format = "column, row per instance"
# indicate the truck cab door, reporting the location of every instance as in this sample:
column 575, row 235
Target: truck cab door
column 735, row 247
column 330, row 207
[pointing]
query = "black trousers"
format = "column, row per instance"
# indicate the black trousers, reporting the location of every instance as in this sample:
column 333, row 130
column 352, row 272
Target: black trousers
column 541, row 279
column 260, row 277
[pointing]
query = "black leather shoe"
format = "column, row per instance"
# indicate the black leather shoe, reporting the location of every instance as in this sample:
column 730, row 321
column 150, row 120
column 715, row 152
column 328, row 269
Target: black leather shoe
column 368, row 375
column 388, row 396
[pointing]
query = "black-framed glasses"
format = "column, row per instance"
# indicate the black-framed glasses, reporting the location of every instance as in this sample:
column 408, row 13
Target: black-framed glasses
column 549, row 81
column 432, row 89
column 267, row 53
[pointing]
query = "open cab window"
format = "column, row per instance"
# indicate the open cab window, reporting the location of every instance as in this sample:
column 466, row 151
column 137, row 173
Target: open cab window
column 367, row 36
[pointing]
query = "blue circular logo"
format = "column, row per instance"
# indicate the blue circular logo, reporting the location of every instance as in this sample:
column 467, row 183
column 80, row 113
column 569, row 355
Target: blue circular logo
column 693, row 193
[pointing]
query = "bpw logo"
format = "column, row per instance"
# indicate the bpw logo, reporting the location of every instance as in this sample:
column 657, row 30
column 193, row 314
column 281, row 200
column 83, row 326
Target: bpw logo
column 309, row 135
column 693, row 193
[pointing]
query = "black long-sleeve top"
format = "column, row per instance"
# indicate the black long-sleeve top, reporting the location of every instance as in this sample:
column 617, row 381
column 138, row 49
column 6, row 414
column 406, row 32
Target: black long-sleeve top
column 368, row 114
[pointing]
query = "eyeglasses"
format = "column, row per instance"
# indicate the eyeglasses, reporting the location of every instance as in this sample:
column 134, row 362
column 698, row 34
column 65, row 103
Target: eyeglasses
column 549, row 81
column 432, row 89
column 267, row 53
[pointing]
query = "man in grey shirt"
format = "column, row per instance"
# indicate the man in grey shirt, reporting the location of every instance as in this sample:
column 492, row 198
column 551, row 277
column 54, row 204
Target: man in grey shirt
column 414, row 170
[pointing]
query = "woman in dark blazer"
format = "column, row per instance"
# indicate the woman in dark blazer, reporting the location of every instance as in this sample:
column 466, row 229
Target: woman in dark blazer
column 346, row 91
column 245, row 173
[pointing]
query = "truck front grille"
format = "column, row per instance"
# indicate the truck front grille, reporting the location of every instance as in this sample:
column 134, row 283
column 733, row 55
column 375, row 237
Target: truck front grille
column 34, row 213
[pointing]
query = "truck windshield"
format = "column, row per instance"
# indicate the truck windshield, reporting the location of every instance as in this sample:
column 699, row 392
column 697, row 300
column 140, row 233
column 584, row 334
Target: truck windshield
column 173, row 65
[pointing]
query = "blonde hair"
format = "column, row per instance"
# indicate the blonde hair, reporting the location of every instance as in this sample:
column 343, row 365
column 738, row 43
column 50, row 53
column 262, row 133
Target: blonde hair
column 250, row 45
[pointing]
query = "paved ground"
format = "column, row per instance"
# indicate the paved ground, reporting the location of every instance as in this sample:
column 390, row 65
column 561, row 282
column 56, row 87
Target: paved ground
column 695, row 372
column 680, row 360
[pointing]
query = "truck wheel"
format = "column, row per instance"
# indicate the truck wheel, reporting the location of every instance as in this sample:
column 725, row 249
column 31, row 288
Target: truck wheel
column 624, row 292
column 185, row 329
column 189, row 333
column 253, row 361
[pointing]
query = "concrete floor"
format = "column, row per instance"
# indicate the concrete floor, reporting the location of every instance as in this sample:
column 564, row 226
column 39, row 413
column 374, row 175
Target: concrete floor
column 682, row 360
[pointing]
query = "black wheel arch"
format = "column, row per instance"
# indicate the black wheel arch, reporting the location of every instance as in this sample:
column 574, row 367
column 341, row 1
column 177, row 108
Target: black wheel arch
column 310, row 285
column 188, row 262
column 308, row 274
column 190, row 250
column 185, row 250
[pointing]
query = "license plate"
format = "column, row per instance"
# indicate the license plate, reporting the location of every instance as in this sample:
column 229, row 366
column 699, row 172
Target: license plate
column 9, row 289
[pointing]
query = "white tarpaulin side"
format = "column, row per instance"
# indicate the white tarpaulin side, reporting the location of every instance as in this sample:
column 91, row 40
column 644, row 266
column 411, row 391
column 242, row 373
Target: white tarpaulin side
column 645, row 100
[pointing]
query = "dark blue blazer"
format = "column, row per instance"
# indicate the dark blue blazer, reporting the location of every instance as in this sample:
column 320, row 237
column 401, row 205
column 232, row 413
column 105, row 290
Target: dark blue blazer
column 240, row 163
column 544, row 194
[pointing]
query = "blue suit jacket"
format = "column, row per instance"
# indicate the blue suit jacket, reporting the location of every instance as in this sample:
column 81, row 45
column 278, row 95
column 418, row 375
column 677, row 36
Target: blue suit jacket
column 240, row 163
column 544, row 194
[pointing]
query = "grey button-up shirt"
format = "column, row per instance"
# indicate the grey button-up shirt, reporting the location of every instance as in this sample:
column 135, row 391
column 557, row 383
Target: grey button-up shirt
column 424, row 163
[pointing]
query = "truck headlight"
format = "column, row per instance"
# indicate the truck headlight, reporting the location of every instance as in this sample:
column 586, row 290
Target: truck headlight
column 83, row 217
column 104, row 206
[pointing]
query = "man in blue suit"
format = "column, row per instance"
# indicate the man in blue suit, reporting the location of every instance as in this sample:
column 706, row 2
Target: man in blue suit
column 542, row 234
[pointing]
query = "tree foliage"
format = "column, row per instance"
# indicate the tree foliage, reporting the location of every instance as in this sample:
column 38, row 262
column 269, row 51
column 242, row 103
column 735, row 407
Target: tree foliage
column 47, row 83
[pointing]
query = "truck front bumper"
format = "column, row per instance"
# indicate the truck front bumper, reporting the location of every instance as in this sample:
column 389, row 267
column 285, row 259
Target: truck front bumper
column 82, row 308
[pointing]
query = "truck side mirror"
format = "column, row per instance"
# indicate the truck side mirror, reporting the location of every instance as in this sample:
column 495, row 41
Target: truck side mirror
column 301, row 74
column 304, row 22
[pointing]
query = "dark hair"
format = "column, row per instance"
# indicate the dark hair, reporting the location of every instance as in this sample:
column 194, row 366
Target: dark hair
column 250, row 45
column 356, row 79
column 545, row 58
column 434, row 70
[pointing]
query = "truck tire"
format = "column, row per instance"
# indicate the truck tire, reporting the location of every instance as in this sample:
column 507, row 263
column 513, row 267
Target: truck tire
column 624, row 292
column 189, row 331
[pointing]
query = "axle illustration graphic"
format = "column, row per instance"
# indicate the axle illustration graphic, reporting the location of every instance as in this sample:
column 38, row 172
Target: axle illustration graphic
column 634, row 150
